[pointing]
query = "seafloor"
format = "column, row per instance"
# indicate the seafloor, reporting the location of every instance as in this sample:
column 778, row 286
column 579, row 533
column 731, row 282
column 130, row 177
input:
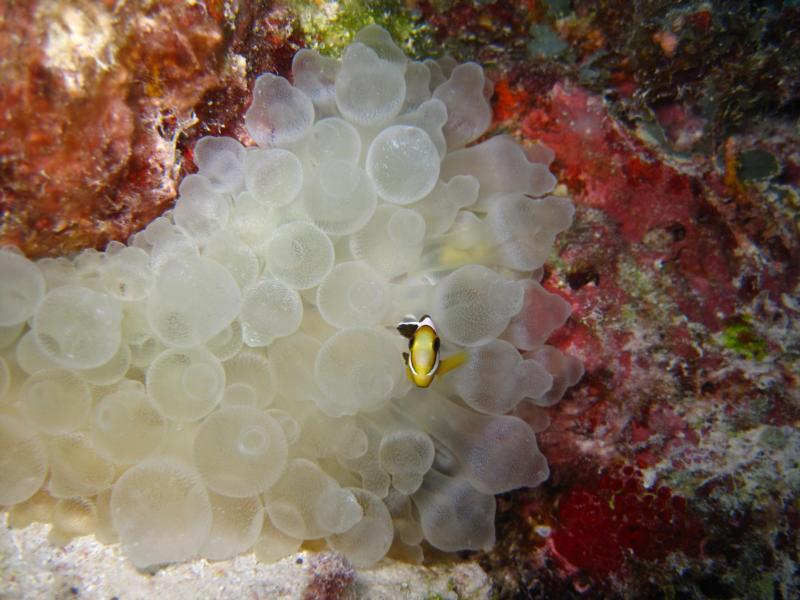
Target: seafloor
column 676, row 461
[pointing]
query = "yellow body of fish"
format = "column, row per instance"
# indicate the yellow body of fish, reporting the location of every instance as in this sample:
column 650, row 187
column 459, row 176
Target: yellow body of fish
column 422, row 360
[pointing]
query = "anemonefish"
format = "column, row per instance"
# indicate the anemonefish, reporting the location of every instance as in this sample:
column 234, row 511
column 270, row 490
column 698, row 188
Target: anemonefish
column 422, row 360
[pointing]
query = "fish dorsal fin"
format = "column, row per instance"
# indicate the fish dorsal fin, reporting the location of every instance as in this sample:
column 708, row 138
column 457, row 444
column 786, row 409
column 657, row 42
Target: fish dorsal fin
column 426, row 320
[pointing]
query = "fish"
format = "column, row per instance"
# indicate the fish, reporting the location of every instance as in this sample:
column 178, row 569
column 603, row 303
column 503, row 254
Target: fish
column 423, row 360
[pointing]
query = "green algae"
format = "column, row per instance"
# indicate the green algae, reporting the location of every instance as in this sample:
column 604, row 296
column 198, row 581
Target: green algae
column 740, row 336
column 330, row 26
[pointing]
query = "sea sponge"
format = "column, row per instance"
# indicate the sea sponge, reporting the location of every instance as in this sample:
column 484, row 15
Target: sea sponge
column 232, row 378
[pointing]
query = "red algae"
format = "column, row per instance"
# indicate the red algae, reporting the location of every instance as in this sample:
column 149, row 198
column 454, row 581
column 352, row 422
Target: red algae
column 598, row 529
column 508, row 100
column 654, row 206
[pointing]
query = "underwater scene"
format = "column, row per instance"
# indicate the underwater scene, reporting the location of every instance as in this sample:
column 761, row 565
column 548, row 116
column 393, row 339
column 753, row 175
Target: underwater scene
column 442, row 299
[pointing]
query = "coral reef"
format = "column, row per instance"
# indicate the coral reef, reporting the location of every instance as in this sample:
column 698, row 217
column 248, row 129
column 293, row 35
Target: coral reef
column 93, row 104
column 673, row 126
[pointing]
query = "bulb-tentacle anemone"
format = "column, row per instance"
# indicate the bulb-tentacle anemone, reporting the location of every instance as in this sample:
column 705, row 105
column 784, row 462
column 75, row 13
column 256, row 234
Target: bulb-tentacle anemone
column 232, row 378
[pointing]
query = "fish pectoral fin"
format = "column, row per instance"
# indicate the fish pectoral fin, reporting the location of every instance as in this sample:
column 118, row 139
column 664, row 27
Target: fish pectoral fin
column 452, row 362
column 407, row 329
